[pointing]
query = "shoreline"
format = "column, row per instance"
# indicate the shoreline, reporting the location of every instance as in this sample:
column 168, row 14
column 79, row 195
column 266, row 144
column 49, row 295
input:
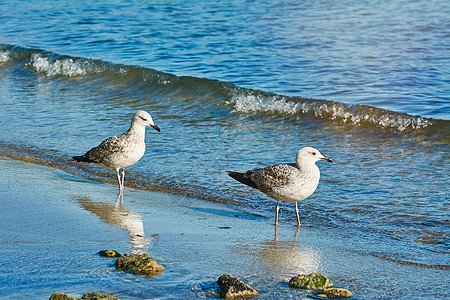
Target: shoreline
column 54, row 224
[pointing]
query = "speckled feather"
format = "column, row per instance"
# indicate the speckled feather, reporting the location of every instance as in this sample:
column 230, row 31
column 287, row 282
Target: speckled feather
column 109, row 147
column 271, row 176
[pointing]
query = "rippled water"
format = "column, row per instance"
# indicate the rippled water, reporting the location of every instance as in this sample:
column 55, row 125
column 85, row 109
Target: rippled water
column 390, row 55
column 244, row 84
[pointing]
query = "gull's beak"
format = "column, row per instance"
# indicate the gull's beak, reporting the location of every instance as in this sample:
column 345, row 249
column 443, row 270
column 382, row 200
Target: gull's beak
column 156, row 127
column 327, row 159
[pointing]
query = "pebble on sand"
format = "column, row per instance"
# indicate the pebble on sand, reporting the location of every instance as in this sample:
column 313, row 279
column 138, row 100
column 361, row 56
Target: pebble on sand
column 319, row 283
column 88, row 296
column 336, row 293
column 109, row 253
column 97, row 296
column 313, row 281
column 140, row 264
column 231, row 287
column 61, row 296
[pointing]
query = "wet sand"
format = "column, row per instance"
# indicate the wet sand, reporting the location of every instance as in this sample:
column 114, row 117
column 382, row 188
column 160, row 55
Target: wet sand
column 53, row 224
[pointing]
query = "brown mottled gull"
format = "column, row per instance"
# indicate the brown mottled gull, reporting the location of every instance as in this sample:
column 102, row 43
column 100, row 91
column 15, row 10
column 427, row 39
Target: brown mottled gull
column 284, row 182
column 124, row 150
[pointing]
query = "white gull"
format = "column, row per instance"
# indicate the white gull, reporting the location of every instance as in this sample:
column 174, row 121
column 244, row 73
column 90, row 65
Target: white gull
column 124, row 150
column 284, row 182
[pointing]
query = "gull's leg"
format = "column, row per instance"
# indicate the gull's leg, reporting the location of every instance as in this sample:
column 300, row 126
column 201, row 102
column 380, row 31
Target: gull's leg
column 123, row 177
column 118, row 179
column 276, row 213
column 276, row 232
column 298, row 218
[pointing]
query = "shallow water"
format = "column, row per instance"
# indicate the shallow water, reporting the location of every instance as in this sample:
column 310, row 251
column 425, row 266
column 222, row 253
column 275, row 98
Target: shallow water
column 242, row 85
column 65, row 220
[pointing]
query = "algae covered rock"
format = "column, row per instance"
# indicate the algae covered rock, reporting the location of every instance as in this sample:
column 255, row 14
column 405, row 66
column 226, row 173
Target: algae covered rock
column 88, row 296
column 313, row 281
column 231, row 287
column 140, row 264
column 97, row 296
column 336, row 293
column 61, row 296
column 109, row 253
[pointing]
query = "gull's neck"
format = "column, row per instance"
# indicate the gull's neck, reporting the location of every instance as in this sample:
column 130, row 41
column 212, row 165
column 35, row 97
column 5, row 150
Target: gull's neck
column 137, row 130
column 307, row 165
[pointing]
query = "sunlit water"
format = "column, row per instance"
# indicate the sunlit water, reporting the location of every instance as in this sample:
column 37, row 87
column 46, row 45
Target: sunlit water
column 365, row 83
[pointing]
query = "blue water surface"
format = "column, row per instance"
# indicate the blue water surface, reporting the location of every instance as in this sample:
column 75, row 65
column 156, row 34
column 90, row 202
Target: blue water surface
column 235, row 85
column 390, row 55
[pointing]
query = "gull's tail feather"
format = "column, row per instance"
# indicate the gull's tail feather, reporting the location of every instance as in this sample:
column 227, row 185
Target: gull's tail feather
column 82, row 158
column 242, row 179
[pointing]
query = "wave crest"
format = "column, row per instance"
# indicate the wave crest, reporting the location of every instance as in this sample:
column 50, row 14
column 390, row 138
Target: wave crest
column 4, row 56
column 62, row 66
column 258, row 102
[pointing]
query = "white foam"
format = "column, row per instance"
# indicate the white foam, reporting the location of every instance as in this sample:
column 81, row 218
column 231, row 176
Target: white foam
column 247, row 103
column 250, row 103
column 4, row 56
column 65, row 67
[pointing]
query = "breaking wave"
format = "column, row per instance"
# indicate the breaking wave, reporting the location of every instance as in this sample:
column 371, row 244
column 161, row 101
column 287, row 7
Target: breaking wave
column 241, row 100
column 258, row 102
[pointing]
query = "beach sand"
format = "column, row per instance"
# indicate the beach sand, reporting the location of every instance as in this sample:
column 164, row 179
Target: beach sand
column 53, row 224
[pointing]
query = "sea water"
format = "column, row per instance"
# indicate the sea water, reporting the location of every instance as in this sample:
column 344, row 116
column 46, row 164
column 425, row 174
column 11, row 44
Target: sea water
column 235, row 85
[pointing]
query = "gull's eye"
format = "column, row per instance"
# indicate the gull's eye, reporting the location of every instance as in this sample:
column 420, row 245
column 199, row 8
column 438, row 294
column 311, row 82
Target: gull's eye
column 314, row 153
column 143, row 118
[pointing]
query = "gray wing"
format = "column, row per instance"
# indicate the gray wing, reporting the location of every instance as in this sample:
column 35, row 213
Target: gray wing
column 271, row 176
column 105, row 149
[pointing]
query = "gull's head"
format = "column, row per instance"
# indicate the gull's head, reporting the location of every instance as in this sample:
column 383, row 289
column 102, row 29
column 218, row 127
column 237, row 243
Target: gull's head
column 311, row 154
column 143, row 118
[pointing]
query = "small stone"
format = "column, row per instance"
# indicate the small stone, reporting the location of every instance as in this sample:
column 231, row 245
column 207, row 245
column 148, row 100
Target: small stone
column 336, row 293
column 98, row 296
column 231, row 287
column 109, row 253
column 61, row 296
column 313, row 281
column 140, row 264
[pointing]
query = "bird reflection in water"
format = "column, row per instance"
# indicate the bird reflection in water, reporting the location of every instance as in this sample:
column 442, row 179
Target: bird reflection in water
column 117, row 215
column 282, row 258
column 295, row 235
